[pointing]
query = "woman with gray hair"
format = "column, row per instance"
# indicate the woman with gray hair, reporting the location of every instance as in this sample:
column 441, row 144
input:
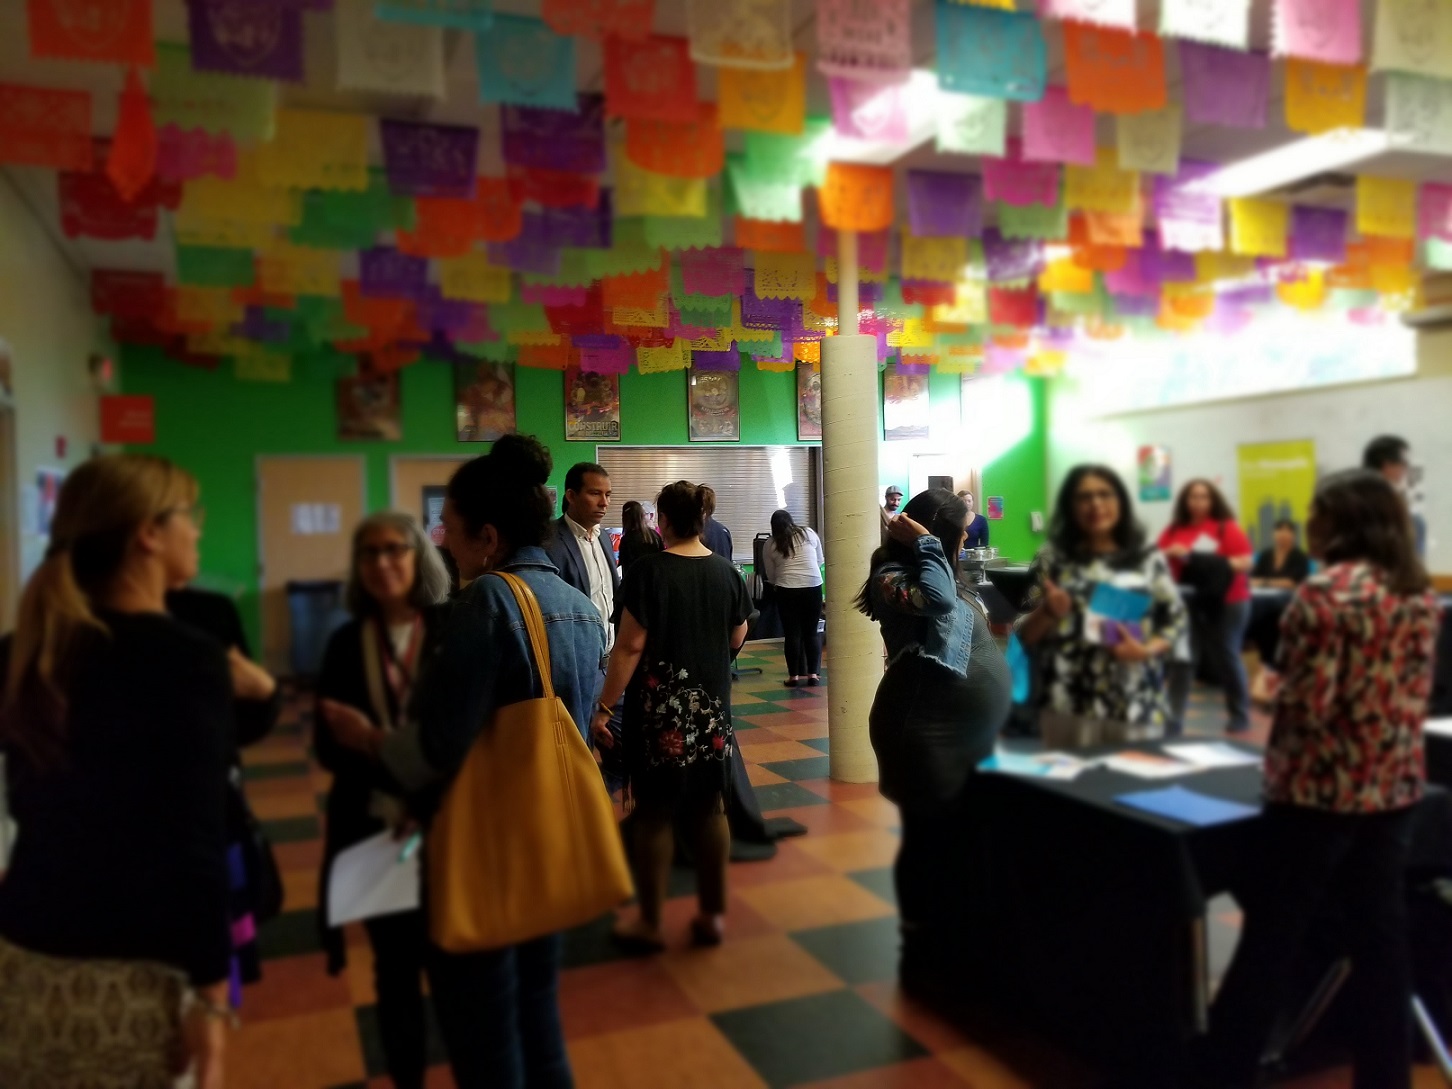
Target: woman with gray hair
column 396, row 586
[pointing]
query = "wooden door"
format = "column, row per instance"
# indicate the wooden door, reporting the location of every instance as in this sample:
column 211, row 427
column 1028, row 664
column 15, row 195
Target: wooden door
column 411, row 475
column 307, row 508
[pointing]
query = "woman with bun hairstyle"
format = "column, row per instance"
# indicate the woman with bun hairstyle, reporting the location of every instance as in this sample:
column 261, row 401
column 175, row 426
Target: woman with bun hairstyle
column 498, row 1010
column 116, row 723
column 683, row 613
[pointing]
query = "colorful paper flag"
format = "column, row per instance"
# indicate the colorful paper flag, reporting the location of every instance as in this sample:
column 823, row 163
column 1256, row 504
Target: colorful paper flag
column 1328, row 31
column 865, row 41
column 1224, row 86
column 653, row 79
column 773, row 101
column 101, row 31
column 384, row 56
column 1055, row 130
column 522, row 62
column 1114, row 71
column 1214, row 22
column 1324, row 97
column 995, row 54
column 1386, row 207
column 262, row 39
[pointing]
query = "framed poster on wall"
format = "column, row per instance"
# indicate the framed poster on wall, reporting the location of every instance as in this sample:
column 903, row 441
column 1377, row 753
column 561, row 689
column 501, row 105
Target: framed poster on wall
column 369, row 407
column 433, row 508
column 809, row 401
column 592, row 406
column 714, row 403
column 906, row 411
column 1155, row 481
column 483, row 400
column 1277, row 480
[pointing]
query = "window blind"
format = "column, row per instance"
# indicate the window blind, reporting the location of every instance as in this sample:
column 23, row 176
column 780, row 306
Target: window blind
column 751, row 483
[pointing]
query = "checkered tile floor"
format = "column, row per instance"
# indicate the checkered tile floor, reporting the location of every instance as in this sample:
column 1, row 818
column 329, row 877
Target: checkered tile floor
column 801, row 994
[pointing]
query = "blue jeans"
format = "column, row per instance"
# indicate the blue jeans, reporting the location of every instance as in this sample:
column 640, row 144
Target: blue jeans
column 1220, row 636
column 499, row 1015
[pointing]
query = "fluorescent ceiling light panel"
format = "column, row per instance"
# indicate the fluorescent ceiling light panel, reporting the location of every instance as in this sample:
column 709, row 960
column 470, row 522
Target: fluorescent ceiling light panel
column 921, row 103
column 1294, row 161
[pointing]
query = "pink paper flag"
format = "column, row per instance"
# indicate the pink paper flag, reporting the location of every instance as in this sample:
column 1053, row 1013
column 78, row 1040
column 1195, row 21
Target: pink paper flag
column 1434, row 212
column 1016, row 182
column 1320, row 30
column 868, row 111
column 1057, row 131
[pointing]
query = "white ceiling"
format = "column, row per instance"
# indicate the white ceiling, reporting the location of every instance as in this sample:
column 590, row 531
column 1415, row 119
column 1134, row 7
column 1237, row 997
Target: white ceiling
column 38, row 187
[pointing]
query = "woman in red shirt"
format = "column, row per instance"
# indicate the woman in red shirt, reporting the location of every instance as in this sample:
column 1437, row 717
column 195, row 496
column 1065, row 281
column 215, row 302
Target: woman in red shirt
column 1203, row 527
column 1343, row 771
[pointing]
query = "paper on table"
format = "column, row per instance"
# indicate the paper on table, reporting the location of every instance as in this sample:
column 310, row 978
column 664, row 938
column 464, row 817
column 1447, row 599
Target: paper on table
column 1043, row 765
column 1188, row 806
column 1441, row 726
column 1212, row 754
column 368, row 880
column 1147, row 765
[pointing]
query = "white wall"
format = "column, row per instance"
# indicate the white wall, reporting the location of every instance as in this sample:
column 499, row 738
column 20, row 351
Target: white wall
column 45, row 315
column 1203, row 439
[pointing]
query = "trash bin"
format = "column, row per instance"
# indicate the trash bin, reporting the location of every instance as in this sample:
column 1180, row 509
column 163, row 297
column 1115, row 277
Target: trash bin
column 313, row 609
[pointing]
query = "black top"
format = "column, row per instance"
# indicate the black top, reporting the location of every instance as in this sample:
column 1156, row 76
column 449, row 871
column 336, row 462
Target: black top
column 122, row 850
column 1296, row 568
column 977, row 532
column 215, row 615
column 717, row 538
column 689, row 607
column 633, row 547
column 343, row 677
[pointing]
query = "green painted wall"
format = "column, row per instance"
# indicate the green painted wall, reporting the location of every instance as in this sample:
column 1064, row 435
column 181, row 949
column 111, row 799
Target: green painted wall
column 216, row 427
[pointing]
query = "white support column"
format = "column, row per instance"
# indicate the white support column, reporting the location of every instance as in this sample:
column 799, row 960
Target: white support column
column 849, row 451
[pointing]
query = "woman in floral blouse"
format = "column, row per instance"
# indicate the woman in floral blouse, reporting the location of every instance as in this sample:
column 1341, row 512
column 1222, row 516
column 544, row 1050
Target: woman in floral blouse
column 1105, row 613
column 1343, row 770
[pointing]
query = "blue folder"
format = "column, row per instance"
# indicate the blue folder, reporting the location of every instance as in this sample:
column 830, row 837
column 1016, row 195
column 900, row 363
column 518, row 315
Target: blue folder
column 1188, row 806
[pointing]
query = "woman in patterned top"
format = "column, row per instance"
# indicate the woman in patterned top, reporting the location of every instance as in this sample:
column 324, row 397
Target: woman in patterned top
column 1105, row 613
column 1343, row 770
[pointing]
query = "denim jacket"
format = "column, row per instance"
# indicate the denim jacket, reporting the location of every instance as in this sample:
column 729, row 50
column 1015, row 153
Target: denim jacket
column 919, row 608
column 484, row 662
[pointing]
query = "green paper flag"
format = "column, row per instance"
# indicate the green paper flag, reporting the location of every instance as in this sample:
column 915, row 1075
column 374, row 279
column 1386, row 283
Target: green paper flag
column 758, row 197
column 1033, row 221
column 1438, row 254
column 180, row 96
column 520, row 317
column 214, row 266
column 687, row 232
column 789, row 160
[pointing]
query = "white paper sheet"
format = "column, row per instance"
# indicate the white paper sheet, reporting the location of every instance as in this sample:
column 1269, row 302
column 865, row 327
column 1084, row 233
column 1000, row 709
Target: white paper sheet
column 1442, row 726
column 1148, row 766
column 368, row 880
column 1212, row 754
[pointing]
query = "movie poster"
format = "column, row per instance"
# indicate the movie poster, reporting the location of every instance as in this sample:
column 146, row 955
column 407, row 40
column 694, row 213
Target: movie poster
column 809, row 401
column 1155, row 482
column 369, row 408
column 483, row 400
column 906, row 412
column 715, row 406
column 592, row 406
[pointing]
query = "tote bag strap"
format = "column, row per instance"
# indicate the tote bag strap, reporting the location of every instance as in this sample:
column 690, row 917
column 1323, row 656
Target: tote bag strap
column 534, row 624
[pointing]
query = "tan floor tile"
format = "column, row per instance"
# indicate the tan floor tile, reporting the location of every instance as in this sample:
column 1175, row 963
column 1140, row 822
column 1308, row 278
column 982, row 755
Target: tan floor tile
column 310, row 1052
column 299, row 889
column 811, row 902
column 803, row 731
column 848, row 851
column 298, row 803
column 825, row 820
column 879, row 811
column 780, row 718
column 758, row 776
column 834, row 791
column 748, row 972
column 359, row 973
column 925, row 1073
column 689, row 1054
column 280, row 751
column 789, row 862
column 769, row 752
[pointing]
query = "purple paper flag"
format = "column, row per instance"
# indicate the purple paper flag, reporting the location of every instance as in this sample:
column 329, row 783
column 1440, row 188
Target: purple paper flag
column 383, row 272
column 607, row 360
column 868, row 292
column 602, row 341
column 583, row 228
column 911, row 368
column 258, row 38
column 1057, row 131
column 430, row 160
column 1129, row 279
column 1318, row 234
column 1188, row 219
column 1227, row 320
column 1020, row 183
column 716, row 271
column 1247, row 295
column 729, row 360
column 1011, row 259
column 944, row 205
column 477, row 330
column 872, row 248
column 1134, row 305
column 556, row 139
column 1224, row 86
column 1001, row 359
column 528, row 252
column 451, row 315
column 759, row 313
column 1161, row 266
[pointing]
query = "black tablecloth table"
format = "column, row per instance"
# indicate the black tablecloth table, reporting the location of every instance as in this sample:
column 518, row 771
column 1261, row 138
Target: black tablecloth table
column 1089, row 920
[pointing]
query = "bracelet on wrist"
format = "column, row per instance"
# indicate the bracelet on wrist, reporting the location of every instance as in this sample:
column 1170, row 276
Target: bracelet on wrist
column 603, row 708
column 214, row 1011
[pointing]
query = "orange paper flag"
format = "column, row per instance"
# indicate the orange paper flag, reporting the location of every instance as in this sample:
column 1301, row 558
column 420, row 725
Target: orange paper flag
column 856, row 198
column 759, row 234
column 690, row 149
column 132, row 161
column 1115, row 71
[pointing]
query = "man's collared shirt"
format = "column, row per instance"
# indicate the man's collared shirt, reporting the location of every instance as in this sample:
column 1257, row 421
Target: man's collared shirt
column 602, row 586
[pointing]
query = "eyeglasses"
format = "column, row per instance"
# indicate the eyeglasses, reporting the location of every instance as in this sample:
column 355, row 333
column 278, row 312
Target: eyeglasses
column 1088, row 499
column 196, row 512
column 390, row 552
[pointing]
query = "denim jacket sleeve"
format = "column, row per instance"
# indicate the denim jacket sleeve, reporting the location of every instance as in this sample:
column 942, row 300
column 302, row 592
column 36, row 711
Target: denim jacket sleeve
column 927, row 588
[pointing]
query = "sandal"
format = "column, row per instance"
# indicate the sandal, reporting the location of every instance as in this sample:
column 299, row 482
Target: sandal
column 708, row 931
column 638, row 939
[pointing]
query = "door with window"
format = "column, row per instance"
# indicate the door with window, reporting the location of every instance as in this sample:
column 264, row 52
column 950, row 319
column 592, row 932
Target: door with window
column 307, row 508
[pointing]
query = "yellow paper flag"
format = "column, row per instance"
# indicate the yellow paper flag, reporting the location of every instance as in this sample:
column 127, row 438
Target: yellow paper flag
column 673, row 357
column 297, row 270
column 1102, row 187
column 1386, row 207
column 1308, row 293
column 772, row 101
column 473, row 279
column 315, row 149
column 1322, row 97
column 785, row 275
column 641, row 192
column 939, row 260
column 1258, row 227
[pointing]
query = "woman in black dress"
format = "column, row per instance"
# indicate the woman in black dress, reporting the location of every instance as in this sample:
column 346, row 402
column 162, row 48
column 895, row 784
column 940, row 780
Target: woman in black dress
column 683, row 613
column 638, row 539
column 395, row 587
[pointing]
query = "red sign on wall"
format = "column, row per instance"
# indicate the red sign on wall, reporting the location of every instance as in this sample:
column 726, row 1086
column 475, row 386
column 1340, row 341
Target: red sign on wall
column 128, row 419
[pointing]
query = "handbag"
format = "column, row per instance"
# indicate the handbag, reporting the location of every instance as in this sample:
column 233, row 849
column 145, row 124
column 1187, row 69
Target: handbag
column 1211, row 575
column 264, row 879
column 525, row 842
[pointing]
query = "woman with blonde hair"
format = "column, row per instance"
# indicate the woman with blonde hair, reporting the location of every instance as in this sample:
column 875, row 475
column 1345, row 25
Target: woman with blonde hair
column 116, row 723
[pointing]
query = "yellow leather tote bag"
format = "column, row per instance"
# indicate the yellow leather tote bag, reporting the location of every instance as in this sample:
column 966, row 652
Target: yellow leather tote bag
column 525, row 843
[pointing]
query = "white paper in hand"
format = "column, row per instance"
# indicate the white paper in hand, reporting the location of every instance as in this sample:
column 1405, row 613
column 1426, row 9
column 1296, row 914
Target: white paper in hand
column 368, row 880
